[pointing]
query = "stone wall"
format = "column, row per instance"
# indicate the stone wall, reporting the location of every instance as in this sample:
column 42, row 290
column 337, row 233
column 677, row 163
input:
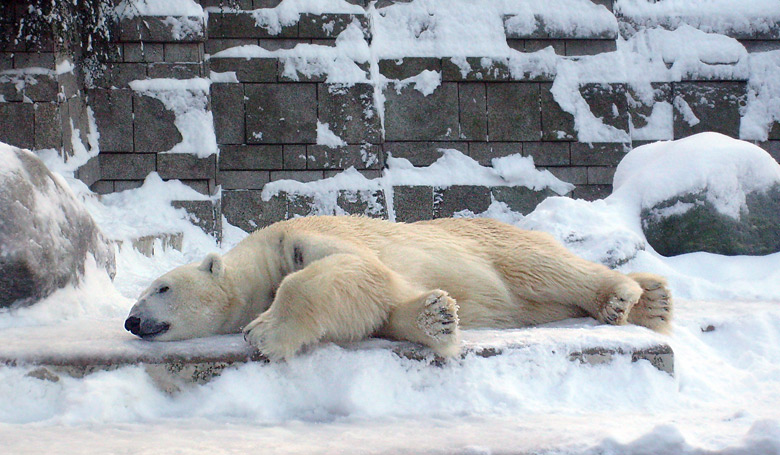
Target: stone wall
column 265, row 117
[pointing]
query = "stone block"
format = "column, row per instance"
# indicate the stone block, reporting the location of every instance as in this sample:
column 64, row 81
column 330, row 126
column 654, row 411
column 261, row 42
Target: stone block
column 548, row 153
column 123, row 185
column 608, row 102
column 183, row 52
column 89, row 172
column 174, row 70
column 9, row 92
column 6, row 61
column 207, row 215
column 22, row 117
column 243, row 25
column 640, row 108
column 266, row 3
column 281, row 114
column 103, row 187
column 485, row 152
column 250, row 157
column 349, row 112
column 367, row 173
column 413, row 203
column 227, row 108
column 774, row 131
column 364, row 156
column 403, row 68
column 69, row 85
column 243, row 180
column 534, row 45
column 454, row 199
column 154, row 129
column 247, row 210
column 411, row 116
column 573, row 174
column 113, row 111
column 514, row 111
column 202, row 186
column 519, row 198
column 186, row 166
column 368, row 203
column 287, row 71
column 45, row 89
column 143, row 52
column 126, row 166
column 24, row 60
column 294, row 157
column 605, row 3
column 761, row 45
column 590, row 47
column 48, row 132
column 300, row 176
column 591, row 192
column 475, row 69
column 276, row 44
column 708, row 106
column 421, row 153
column 598, row 153
column 600, row 175
column 119, row 75
column 317, row 26
column 472, row 102
column 544, row 31
column 251, row 70
column 160, row 29
column 214, row 45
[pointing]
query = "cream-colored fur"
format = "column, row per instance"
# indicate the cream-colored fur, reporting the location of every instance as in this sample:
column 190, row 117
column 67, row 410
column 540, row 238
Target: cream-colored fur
column 347, row 278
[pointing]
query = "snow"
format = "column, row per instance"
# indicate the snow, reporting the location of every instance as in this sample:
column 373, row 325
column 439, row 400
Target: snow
column 725, row 169
column 358, row 399
column 327, row 137
column 132, row 8
column 365, row 399
column 188, row 99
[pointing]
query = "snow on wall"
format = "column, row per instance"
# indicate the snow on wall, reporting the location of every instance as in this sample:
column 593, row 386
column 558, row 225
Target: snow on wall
column 188, row 100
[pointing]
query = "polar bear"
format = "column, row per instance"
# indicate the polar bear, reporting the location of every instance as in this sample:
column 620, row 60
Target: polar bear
column 310, row 279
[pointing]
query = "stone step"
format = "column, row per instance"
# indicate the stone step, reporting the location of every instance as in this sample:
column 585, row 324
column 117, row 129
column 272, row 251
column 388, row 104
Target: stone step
column 85, row 347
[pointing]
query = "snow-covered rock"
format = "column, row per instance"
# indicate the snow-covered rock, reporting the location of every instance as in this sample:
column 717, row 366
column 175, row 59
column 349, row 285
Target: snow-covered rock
column 46, row 234
column 707, row 192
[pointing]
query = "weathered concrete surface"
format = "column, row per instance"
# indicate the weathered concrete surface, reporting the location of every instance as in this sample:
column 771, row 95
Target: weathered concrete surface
column 83, row 348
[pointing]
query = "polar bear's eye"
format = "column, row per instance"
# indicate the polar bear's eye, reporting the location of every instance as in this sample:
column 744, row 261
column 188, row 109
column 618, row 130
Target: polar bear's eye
column 163, row 290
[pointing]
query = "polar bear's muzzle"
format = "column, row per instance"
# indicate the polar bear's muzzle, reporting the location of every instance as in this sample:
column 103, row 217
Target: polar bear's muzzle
column 145, row 328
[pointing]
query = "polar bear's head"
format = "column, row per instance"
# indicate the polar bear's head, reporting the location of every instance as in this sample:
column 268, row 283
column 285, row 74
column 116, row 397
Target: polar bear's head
column 187, row 302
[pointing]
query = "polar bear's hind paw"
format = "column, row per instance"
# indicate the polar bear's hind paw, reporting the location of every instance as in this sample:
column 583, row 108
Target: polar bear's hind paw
column 439, row 318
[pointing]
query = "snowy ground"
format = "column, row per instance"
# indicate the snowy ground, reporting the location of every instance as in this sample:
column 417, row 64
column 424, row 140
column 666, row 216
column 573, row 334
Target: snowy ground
column 722, row 399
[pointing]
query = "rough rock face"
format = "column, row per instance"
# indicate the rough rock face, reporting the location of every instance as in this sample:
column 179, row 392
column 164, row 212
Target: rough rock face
column 689, row 223
column 45, row 232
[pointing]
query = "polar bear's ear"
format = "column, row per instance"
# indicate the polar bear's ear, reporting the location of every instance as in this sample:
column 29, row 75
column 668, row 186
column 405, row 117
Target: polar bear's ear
column 213, row 264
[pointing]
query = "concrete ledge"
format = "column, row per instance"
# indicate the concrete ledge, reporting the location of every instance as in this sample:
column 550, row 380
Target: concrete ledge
column 86, row 347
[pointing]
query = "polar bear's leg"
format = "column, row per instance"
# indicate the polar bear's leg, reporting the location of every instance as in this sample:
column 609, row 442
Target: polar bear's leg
column 430, row 319
column 340, row 297
column 654, row 308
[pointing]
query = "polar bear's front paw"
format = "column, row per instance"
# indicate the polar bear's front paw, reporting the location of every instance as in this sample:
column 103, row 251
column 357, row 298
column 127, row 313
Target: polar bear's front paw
column 266, row 335
column 439, row 319
column 618, row 304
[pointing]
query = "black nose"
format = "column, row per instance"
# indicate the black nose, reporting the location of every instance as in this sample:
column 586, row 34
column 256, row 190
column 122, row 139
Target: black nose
column 133, row 325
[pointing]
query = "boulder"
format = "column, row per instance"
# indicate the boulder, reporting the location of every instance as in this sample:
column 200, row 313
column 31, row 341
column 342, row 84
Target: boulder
column 706, row 192
column 689, row 222
column 46, row 234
